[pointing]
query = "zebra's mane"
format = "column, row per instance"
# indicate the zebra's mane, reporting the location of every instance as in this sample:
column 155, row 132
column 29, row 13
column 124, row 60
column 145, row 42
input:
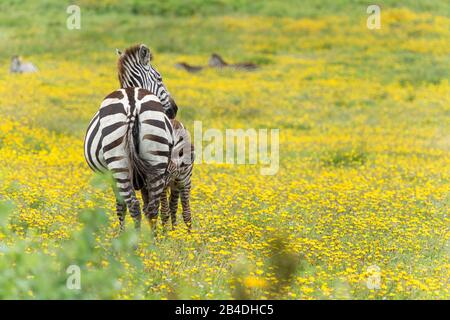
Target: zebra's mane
column 130, row 55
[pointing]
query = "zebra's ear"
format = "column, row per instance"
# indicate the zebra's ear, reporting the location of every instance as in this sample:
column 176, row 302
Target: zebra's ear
column 119, row 53
column 144, row 54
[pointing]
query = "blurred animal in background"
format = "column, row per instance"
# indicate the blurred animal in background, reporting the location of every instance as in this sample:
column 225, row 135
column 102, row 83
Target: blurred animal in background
column 216, row 61
column 17, row 66
column 188, row 67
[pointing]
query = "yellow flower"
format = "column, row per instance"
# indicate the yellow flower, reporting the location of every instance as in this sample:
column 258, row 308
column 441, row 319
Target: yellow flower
column 255, row 282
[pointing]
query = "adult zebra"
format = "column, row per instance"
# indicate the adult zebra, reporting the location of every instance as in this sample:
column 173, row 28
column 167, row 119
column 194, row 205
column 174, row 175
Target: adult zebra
column 131, row 135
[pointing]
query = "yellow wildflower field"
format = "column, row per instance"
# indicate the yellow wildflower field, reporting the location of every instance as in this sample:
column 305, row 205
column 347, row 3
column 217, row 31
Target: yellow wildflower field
column 363, row 182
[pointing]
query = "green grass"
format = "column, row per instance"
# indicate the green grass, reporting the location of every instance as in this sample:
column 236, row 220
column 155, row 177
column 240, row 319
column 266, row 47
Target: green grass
column 32, row 27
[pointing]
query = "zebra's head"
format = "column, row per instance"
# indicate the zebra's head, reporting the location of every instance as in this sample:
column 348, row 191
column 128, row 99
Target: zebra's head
column 15, row 64
column 135, row 70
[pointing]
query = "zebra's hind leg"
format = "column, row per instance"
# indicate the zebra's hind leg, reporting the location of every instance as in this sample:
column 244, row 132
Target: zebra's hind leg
column 121, row 206
column 121, row 211
column 185, row 194
column 173, row 205
column 135, row 211
column 125, row 192
column 149, row 210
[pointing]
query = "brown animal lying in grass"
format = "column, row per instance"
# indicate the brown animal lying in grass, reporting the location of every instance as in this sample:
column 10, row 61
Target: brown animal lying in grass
column 216, row 61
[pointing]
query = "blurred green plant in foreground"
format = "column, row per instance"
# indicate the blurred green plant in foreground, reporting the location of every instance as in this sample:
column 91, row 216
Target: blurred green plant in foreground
column 103, row 265
column 34, row 274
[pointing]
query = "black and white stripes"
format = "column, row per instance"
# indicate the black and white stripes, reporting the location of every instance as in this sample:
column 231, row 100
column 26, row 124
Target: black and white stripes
column 135, row 70
column 131, row 137
column 179, row 184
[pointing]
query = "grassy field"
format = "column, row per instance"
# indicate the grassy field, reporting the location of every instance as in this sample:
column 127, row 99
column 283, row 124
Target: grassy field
column 364, row 151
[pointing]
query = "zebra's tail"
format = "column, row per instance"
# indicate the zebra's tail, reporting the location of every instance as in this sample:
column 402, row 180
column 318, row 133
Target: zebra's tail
column 139, row 168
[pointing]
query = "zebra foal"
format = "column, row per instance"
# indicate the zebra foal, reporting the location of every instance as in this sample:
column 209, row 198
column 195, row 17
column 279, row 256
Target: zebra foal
column 179, row 182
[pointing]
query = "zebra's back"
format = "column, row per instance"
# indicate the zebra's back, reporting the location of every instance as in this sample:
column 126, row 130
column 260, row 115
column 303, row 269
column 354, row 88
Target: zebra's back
column 105, row 140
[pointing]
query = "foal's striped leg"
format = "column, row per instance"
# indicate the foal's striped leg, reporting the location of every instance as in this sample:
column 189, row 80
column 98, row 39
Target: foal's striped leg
column 173, row 205
column 185, row 193
column 164, row 207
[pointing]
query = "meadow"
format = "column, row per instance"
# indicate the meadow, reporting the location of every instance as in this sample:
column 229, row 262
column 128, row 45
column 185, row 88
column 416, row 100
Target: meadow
column 364, row 151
